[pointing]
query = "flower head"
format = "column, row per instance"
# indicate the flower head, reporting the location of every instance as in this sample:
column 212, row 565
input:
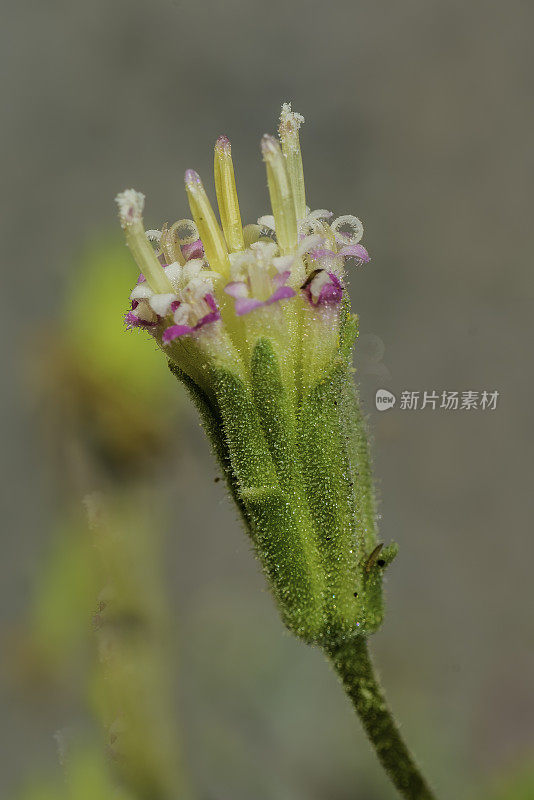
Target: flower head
column 256, row 321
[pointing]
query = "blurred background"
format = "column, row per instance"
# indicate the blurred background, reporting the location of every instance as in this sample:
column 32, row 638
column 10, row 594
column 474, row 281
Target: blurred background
column 419, row 120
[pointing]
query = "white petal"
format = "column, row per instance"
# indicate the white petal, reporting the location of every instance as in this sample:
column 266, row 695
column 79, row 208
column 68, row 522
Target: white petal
column 181, row 315
column 267, row 222
column 141, row 292
column 161, row 303
column 174, row 274
column 192, row 268
column 320, row 213
column 309, row 243
column 282, row 263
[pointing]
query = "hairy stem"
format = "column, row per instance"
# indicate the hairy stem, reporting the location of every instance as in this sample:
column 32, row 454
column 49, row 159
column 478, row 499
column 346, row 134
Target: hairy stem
column 353, row 664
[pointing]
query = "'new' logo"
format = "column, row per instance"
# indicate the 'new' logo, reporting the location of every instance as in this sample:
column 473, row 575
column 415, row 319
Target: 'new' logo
column 384, row 400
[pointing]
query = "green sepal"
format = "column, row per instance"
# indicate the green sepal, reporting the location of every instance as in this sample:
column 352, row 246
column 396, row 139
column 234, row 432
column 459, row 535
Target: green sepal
column 278, row 541
column 372, row 580
column 301, row 556
column 327, row 472
column 210, row 419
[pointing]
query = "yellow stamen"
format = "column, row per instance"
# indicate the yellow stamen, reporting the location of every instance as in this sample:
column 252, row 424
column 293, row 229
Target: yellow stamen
column 227, row 195
column 131, row 204
column 208, row 228
column 290, row 123
column 282, row 202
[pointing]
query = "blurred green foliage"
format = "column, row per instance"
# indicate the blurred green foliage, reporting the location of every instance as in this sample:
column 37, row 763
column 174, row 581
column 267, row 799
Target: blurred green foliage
column 87, row 777
column 97, row 627
column 96, row 302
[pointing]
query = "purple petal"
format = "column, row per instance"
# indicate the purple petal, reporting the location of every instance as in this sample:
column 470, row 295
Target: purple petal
column 243, row 305
column 210, row 300
column 193, row 250
column 355, row 251
column 212, row 316
column 282, row 293
column 281, row 277
column 133, row 321
column 321, row 253
column 174, row 331
column 141, row 278
column 169, row 334
column 329, row 294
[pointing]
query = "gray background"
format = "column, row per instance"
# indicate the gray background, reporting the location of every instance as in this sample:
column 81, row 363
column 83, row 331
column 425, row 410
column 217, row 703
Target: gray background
column 420, row 121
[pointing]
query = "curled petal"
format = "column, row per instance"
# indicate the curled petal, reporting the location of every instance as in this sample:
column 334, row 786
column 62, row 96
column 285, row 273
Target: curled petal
column 320, row 213
column 355, row 251
column 311, row 225
column 186, row 231
column 352, row 236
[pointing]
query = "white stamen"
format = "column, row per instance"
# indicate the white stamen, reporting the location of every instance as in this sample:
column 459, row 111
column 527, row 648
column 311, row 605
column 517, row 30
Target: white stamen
column 131, row 204
column 290, row 122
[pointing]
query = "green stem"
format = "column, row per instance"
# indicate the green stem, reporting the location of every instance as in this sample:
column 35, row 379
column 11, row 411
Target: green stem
column 353, row 664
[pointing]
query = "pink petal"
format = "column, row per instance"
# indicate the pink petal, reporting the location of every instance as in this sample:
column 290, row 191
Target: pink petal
column 281, row 277
column 355, row 251
column 174, row 331
column 245, row 304
column 193, row 250
column 133, row 321
column 282, row 293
